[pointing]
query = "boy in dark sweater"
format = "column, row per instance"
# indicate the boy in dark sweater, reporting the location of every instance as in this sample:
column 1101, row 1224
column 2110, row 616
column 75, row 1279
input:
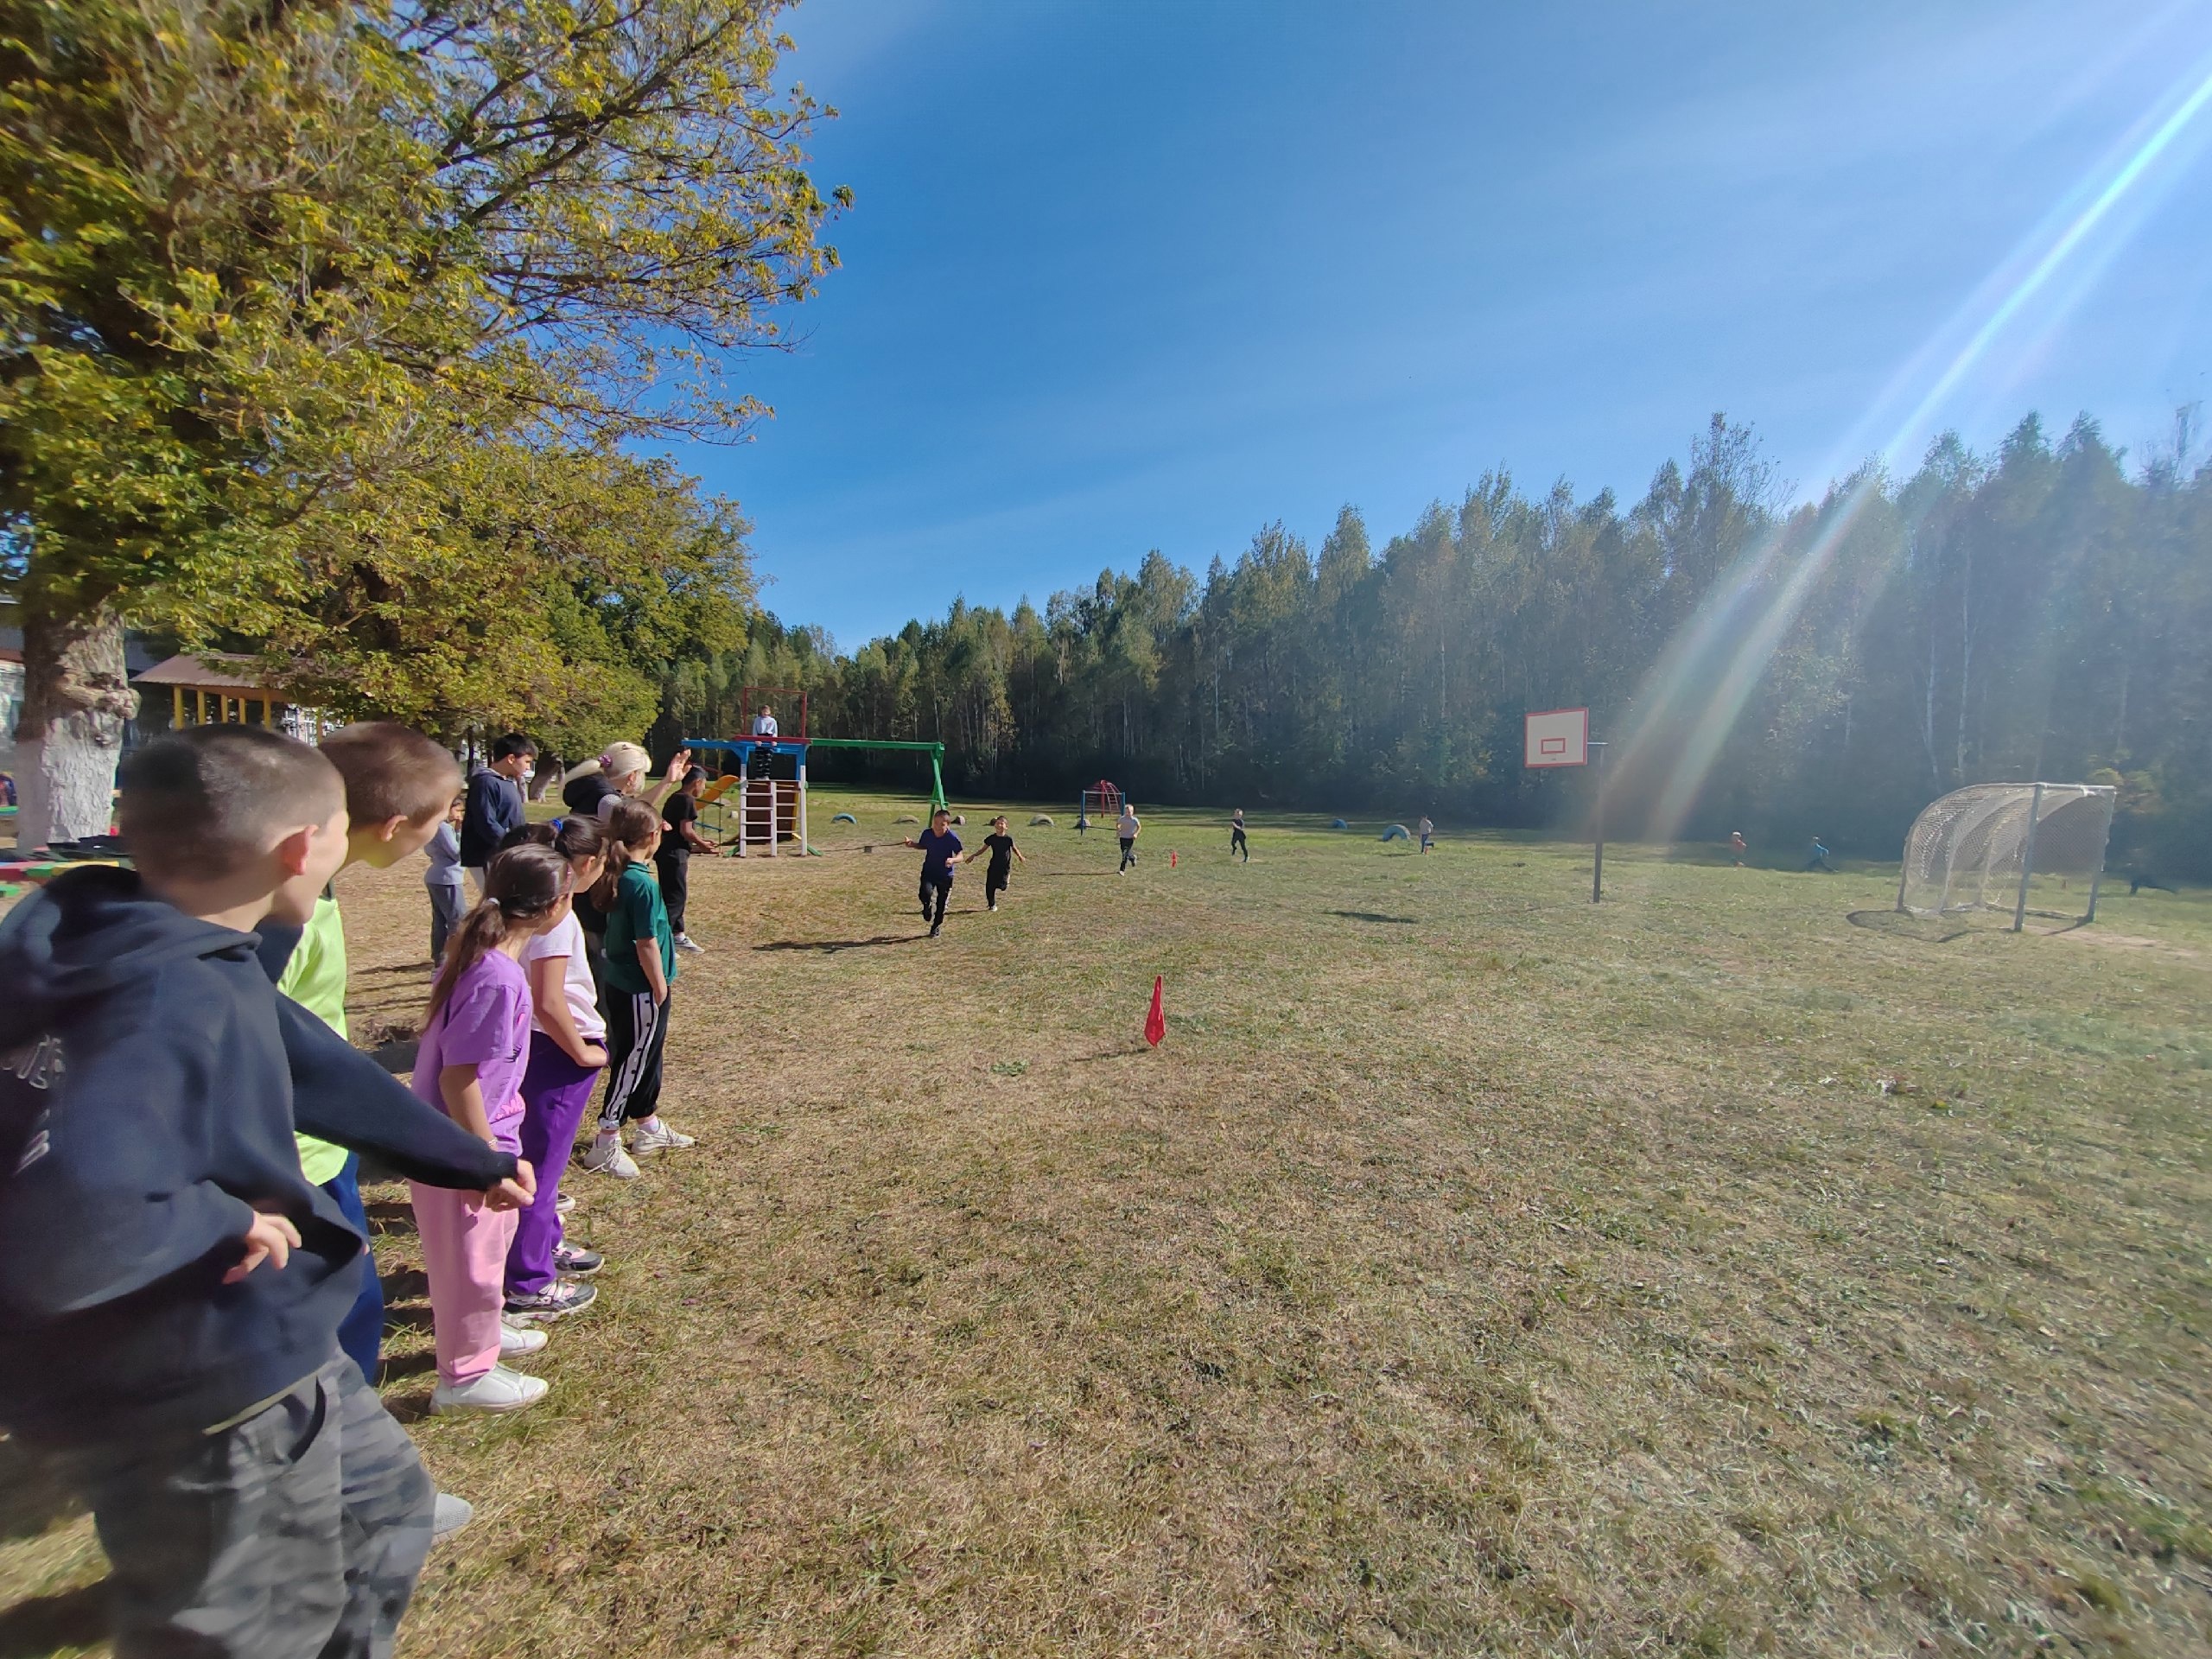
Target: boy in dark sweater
column 494, row 808
column 169, row 1309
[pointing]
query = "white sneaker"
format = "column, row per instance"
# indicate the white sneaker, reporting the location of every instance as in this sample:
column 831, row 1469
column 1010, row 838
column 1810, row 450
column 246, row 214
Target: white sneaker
column 607, row 1158
column 449, row 1515
column 684, row 942
column 653, row 1135
column 565, row 1203
column 520, row 1338
column 497, row 1390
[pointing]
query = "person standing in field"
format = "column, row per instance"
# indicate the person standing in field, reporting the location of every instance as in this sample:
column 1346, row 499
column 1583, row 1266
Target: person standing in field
column 939, row 849
column 1129, row 830
column 568, row 1050
column 1738, row 847
column 442, row 880
column 641, row 970
column 1427, row 832
column 1000, row 844
column 1819, row 861
column 680, row 838
column 475, row 1048
column 495, row 809
column 593, row 788
column 1237, row 843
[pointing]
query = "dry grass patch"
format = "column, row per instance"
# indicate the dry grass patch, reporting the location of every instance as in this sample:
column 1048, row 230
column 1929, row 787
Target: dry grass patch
column 1471, row 1271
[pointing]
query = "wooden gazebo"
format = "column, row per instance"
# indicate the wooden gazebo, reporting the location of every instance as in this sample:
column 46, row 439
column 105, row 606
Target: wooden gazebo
column 218, row 689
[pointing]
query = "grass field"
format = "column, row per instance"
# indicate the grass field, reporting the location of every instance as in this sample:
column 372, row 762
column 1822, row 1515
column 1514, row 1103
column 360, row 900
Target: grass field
column 1472, row 1270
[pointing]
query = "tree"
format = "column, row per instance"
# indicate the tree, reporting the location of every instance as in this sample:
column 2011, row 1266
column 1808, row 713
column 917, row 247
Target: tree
column 270, row 267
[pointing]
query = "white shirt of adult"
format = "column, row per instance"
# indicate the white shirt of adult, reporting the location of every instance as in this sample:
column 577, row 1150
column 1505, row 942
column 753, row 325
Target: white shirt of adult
column 1130, row 825
column 764, row 726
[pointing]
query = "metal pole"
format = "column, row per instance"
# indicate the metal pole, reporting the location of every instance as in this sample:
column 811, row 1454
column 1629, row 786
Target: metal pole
column 2097, row 880
column 2027, row 860
column 1597, row 864
column 744, row 796
column 804, row 849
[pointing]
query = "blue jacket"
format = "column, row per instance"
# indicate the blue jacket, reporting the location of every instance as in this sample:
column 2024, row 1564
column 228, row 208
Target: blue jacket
column 147, row 1072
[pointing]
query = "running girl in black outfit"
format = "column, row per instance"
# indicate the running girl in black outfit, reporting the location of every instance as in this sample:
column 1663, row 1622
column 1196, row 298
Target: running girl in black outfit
column 999, row 845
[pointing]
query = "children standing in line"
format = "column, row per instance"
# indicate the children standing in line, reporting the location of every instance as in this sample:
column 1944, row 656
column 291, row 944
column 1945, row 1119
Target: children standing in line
column 175, row 1283
column 680, row 838
column 1129, row 830
column 999, row 845
column 939, row 848
column 1237, row 843
column 640, row 975
column 473, row 1053
column 442, row 880
column 1427, row 832
column 566, row 1054
column 495, row 810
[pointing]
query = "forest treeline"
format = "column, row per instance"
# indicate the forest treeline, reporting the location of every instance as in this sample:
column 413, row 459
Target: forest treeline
column 2043, row 611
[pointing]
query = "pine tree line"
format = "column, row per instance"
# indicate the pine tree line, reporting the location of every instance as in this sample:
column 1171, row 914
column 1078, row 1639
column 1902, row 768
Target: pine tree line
column 2044, row 611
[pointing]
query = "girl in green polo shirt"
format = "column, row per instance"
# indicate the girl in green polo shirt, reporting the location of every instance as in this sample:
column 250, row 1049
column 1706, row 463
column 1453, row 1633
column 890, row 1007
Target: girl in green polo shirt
column 640, row 975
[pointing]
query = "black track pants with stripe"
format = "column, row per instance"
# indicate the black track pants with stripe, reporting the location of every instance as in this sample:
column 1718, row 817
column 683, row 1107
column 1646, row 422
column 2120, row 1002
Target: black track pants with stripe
column 637, row 1037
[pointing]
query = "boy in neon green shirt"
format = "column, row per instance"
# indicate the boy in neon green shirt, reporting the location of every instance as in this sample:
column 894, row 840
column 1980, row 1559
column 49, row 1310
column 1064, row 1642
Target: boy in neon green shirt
column 398, row 784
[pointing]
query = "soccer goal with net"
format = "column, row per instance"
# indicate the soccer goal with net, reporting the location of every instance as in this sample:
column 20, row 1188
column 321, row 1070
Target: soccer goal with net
column 2009, row 846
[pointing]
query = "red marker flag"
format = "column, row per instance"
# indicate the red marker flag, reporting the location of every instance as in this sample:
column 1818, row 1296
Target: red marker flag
column 1155, row 1023
column 1171, row 858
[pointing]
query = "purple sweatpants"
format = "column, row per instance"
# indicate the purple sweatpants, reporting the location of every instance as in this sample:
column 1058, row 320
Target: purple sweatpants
column 556, row 1093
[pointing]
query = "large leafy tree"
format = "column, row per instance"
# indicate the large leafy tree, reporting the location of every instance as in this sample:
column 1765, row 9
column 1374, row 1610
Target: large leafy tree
column 287, row 285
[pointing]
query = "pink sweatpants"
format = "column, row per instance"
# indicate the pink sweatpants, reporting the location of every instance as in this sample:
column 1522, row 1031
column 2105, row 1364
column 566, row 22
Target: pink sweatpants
column 465, row 1253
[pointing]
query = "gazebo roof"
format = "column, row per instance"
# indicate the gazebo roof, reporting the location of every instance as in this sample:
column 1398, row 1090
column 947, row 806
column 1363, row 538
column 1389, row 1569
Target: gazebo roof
column 217, row 672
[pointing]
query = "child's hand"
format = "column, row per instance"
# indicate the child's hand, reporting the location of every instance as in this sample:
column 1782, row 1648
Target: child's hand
column 516, row 1191
column 270, row 1237
column 593, row 1055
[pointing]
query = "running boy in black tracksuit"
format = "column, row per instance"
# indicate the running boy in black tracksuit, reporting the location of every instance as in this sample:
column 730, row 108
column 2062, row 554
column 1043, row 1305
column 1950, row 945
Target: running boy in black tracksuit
column 999, row 845
column 171, row 1284
column 940, row 850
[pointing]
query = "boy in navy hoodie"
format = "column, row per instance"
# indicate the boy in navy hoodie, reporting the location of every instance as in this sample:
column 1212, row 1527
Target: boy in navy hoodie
column 169, row 1329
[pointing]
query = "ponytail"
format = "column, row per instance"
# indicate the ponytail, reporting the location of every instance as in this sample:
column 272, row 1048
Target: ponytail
column 629, row 824
column 571, row 838
column 521, row 885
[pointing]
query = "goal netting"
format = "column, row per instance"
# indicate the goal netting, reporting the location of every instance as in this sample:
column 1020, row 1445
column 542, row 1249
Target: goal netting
column 2014, row 848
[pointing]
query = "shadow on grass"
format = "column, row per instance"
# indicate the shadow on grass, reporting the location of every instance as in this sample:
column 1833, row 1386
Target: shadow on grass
column 72, row 1619
column 32, row 1498
column 1898, row 924
column 1110, row 1054
column 828, row 945
column 408, row 1365
column 1373, row 916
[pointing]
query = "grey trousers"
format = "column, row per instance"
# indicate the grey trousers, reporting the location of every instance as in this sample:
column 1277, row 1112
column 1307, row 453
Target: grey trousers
column 446, row 908
column 300, row 1531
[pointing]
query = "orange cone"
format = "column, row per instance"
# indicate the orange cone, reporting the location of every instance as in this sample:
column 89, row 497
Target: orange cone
column 1155, row 1023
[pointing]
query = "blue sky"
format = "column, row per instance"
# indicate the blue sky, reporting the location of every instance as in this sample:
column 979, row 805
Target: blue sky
column 1129, row 274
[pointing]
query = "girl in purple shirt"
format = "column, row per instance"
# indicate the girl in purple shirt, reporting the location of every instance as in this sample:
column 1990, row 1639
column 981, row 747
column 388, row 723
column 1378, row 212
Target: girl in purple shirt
column 470, row 1067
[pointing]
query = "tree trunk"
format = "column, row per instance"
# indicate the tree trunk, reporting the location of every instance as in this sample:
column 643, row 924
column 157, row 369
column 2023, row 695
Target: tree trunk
column 69, row 734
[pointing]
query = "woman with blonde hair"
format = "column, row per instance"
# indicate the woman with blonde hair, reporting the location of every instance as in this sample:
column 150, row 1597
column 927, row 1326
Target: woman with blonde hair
column 591, row 789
